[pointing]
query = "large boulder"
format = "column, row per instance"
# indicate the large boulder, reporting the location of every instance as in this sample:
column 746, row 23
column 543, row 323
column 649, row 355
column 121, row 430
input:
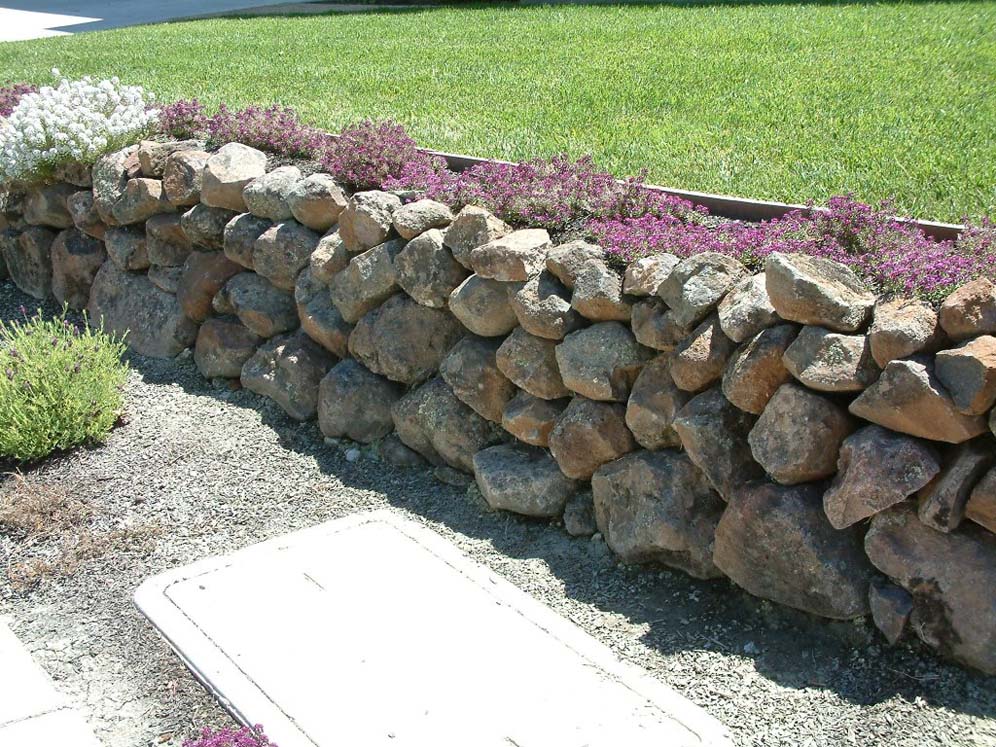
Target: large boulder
column 128, row 248
column 968, row 372
column 746, row 310
column 76, row 259
column 876, row 470
column 775, row 542
column 472, row 227
column 166, row 243
column 367, row 220
column 227, row 173
column 223, row 346
column 798, row 436
column 367, row 281
column 205, row 226
column 587, row 435
column 658, row 507
column 204, row 274
column 530, row 363
column 111, row 173
column 598, row 293
column 700, row 359
column 909, row 398
column 129, row 303
column 522, row 479
column 981, row 505
column 482, row 306
column 756, row 369
column 356, row 403
column 29, row 260
column 513, row 257
column 654, row 325
column 320, row 320
column 182, row 177
column 644, row 276
column 903, row 327
column 282, row 251
column 942, row 501
column 831, row 362
column 403, row 340
column 697, row 284
column 288, row 370
column 653, row 403
column 566, row 261
column 432, row 421
column 267, row 196
column 46, row 205
column 426, row 270
column 817, row 291
column 260, row 306
column 530, row 419
column 240, row 235
column 714, row 434
column 316, row 202
column 543, row 307
column 945, row 574
column 970, row 310
column 141, row 199
column 472, row 373
column 418, row 217
column 601, row 361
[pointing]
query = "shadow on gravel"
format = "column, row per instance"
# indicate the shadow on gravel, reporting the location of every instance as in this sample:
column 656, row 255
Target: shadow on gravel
column 679, row 613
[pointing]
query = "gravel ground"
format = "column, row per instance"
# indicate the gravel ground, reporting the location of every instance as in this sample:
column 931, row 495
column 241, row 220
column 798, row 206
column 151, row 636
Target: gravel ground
column 216, row 470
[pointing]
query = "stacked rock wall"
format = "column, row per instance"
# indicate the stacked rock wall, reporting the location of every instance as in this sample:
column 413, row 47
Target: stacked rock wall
column 818, row 446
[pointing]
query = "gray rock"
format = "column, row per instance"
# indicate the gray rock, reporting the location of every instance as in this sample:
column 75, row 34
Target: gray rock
column 968, row 372
column 598, row 293
column 261, row 306
column 644, row 276
column 942, row 501
column 368, row 280
column 530, row 419
column 330, row 257
column 981, row 505
column 891, row 606
column 522, row 479
column 288, row 370
column 76, row 258
column 530, row 362
column 653, row 403
column 282, row 251
column 697, row 285
column 700, row 359
column 74, row 172
column 654, row 326
column 426, row 270
column 903, row 327
column 227, row 173
column 167, row 278
column 970, row 310
column 482, row 306
column 565, row 261
column 579, row 515
column 166, row 243
column 472, row 373
column 141, row 199
column 418, row 217
column 268, row 196
column 128, row 248
column 472, row 227
column 204, row 274
column 316, row 202
column 831, row 362
column 223, row 346
column 817, row 291
column 367, row 220
column 395, row 453
column 601, row 362
column 182, row 177
column 356, row 403
column 543, row 307
column 320, row 320
column 83, row 210
column 587, row 435
column 513, row 257
column 240, row 235
column 111, row 173
column 205, row 226
column 46, row 206
column 756, row 370
column 29, row 260
column 746, row 310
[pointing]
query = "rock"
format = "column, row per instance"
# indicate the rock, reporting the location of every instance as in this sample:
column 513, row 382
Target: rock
column 482, row 306
column 84, row 213
column 831, row 362
column 530, row 362
column 522, row 479
column 658, row 507
column 567, row 260
column 76, row 258
column 29, row 261
column 513, row 257
column 942, row 501
column 129, row 303
column 395, row 453
column 472, row 227
column 182, row 177
column 968, row 372
column 111, row 173
column 317, row 202
column 329, row 258
column 949, row 612
column 282, row 251
column 653, row 403
column 426, row 270
column 153, row 154
column 876, row 469
column 404, row 341
column 714, row 434
column 167, row 278
column 798, row 436
column 970, row 310
column 223, row 346
column 74, row 172
column 601, row 362
column 817, row 291
column 368, row 280
column 598, row 294
column 579, row 515
column 644, row 276
column 260, row 306
column 587, row 435
column 356, row 403
column 127, row 248
column 288, row 370
column 418, row 217
column 746, row 310
column 697, row 284
column 530, row 419
column 891, row 606
column 205, row 226
column 367, row 220
column 204, row 274
column 775, row 542
column 756, row 370
column 909, row 398
column 141, row 199
column 903, row 327
column 320, row 320
column 653, row 325
column 433, row 422
column 700, row 359
column 166, row 243
column 472, row 373
column 46, row 206
column 222, row 302
column 239, row 237
column 981, row 505
column 227, row 173
column 268, row 195
column 543, row 307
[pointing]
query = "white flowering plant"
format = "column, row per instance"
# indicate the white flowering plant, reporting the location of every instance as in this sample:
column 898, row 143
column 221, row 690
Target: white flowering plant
column 75, row 121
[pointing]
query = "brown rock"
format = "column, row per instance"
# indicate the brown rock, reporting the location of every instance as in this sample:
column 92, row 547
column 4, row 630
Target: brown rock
column 756, row 370
column 46, row 206
column 127, row 248
column 204, row 274
column 522, row 479
column 426, row 269
column 182, row 177
column 530, row 362
column 746, row 310
column 288, row 370
column 700, row 359
column 317, row 202
column 240, row 235
column 76, row 258
column 587, row 435
column 320, row 320
column 472, row 373
column 329, row 257
column 579, row 515
column 981, row 506
column 282, row 251
column 654, row 326
column 601, row 361
column 418, row 217
column 472, row 227
column 598, row 293
column 515, row 256
column 644, row 276
column 74, row 172
column 543, row 307
column 260, row 306
column 942, row 501
column 166, row 243
column 876, row 469
column 653, row 403
column 482, row 306
column 831, row 362
column 697, row 285
column 29, row 261
column 566, row 260
column 167, row 278
column 968, row 372
column 903, row 327
column 84, row 212
column 891, row 606
column 205, row 226
column 141, row 199
column 153, row 154
column 367, row 220
column 223, row 346
column 368, row 280
column 267, row 196
column 970, row 310
column 226, row 174
column 817, row 291
column 356, row 403
column 530, row 419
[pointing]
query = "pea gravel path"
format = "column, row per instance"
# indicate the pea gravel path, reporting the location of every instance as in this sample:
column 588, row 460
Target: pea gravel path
column 217, row 470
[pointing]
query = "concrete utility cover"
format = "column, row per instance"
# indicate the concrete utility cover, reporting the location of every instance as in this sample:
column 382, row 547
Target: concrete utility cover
column 372, row 630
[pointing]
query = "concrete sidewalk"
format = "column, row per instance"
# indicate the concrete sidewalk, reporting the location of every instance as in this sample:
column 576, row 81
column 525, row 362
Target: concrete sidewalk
column 32, row 712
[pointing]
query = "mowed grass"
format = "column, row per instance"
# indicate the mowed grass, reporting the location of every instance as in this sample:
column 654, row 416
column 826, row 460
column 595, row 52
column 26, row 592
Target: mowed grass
column 785, row 101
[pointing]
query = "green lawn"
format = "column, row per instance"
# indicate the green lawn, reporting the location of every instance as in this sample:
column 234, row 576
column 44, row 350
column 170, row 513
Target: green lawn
column 786, row 101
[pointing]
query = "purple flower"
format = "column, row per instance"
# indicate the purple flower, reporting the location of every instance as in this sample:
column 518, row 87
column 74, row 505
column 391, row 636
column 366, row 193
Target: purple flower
column 11, row 95
column 244, row 737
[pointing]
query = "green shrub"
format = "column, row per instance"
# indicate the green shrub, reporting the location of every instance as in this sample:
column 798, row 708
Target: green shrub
column 60, row 386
